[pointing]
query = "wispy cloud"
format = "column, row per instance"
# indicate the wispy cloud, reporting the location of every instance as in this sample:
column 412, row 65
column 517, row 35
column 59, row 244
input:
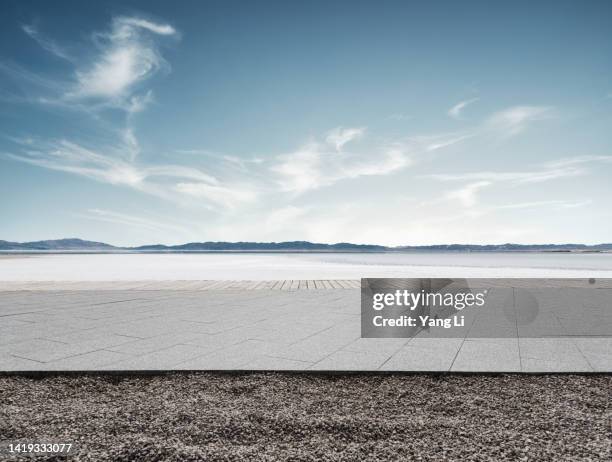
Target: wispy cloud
column 70, row 157
column 455, row 111
column 126, row 57
column 303, row 169
column 578, row 160
column 46, row 43
column 321, row 164
column 475, row 182
column 229, row 196
column 467, row 195
column 138, row 103
column 435, row 142
column 24, row 77
column 318, row 164
column 551, row 204
column 514, row 120
column 340, row 136
column 131, row 221
column 535, row 176
column 107, row 75
column 170, row 182
column 562, row 168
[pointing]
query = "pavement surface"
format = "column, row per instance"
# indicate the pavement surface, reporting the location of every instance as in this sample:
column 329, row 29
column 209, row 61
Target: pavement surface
column 257, row 325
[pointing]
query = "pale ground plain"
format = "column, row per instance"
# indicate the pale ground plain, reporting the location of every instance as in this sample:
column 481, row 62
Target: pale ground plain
column 161, row 323
column 271, row 266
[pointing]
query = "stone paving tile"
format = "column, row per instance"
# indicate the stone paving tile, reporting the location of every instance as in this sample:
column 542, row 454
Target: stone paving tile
column 11, row 322
column 585, row 325
column 385, row 345
column 232, row 357
column 10, row 363
column 92, row 339
column 168, row 358
column 15, row 335
column 147, row 329
column 552, row 355
column 45, row 350
column 225, row 339
column 345, row 360
column 486, row 326
column 543, row 326
column 94, row 360
column 425, row 354
column 71, row 323
column 138, row 347
column 320, row 345
column 202, row 327
column 487, row 355
column 292, row 333
column 34, row 317
column 267, row 363
column 31, row 331
column 597, row 351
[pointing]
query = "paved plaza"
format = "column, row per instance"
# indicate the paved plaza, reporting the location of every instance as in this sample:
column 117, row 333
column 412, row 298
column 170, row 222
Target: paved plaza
column 250, row 325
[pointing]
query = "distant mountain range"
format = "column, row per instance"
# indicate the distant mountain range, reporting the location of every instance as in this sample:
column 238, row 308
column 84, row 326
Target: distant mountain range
column 79, row 245
column 57, row 244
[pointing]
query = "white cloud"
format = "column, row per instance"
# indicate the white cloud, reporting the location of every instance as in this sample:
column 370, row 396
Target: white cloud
column 138, row 103
column 179, row 171
column 553, row 204
column 126, row 27
column 433, row 143
column 170, row 182
column 392, row 158
column 314, row 165
column 229, row 196
column 23, row 77
column 475, row 182
column 340, row 136
column 467, row 195
column 301, row 170
column 69, row 157
column 134, row 221
column 514, row 120
column 455, row 111
column 131, row 143
column 126, row 56
column 572, row 161
column 535, row 176
column 106, row 77
column 561, row 168
column 46, row 43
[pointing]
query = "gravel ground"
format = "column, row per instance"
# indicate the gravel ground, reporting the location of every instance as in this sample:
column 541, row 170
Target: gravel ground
column 276, row 416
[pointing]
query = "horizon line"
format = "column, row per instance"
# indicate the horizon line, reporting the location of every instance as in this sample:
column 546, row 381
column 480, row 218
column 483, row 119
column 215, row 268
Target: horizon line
column 90, row 242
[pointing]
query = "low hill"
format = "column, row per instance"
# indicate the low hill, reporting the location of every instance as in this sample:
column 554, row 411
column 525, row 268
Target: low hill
column 75, row 244
column 57, row 244
column 278, row 246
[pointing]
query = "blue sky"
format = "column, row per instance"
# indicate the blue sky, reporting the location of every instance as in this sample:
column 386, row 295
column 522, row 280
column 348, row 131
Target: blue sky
column 371, row 122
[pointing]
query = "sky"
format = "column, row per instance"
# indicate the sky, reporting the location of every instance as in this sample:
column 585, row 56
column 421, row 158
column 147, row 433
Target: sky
column 394, row 123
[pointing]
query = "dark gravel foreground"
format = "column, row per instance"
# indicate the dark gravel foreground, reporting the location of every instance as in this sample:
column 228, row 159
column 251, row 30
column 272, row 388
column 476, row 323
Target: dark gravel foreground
column 276, row 416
